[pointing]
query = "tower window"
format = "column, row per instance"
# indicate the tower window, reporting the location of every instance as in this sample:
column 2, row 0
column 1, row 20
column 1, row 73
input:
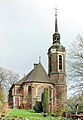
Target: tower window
column 60, row 62
column 50, row 65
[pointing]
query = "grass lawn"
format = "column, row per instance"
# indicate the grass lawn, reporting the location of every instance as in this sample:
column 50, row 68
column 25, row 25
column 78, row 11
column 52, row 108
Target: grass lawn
column 30, row 115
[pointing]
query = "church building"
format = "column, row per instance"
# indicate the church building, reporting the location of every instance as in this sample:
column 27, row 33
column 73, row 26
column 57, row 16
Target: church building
column 29, row 89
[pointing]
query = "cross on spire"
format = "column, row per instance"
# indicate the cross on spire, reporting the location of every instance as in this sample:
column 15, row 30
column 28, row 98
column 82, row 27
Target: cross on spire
column 55, row 10
column 39, row 59
column 56, row 26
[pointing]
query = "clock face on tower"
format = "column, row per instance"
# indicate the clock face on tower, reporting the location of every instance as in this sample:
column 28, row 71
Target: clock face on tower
column 53, row 50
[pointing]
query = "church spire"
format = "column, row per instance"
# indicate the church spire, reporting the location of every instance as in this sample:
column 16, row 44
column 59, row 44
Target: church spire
column 56, row 35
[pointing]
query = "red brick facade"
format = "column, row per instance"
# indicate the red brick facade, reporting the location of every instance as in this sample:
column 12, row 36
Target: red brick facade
column 57, row 74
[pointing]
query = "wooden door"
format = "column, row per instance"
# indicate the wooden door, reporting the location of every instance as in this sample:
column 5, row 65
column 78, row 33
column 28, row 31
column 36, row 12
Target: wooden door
column 16, row 102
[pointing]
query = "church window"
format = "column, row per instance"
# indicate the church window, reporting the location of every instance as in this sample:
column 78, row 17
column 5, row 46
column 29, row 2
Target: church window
column 17, row 90
column 60, row 62
column 40, row 90
column 29, row 90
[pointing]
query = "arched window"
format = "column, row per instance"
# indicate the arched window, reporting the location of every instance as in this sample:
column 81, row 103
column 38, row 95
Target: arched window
column 50, row 65
column 40, row 90
column 60, row 62
column 29, row 90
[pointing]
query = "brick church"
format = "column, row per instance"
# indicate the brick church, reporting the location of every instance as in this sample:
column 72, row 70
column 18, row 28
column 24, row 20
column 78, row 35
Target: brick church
column 30, row 88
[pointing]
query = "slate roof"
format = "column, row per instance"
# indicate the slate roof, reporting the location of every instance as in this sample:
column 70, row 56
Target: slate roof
column 21, row 81
column 38, row 74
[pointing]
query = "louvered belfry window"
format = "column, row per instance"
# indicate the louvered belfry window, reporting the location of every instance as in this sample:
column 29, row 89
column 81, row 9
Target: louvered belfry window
column 60, row 62
column 50, row 65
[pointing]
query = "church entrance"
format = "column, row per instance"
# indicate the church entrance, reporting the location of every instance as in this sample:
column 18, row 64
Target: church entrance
column 17, row 102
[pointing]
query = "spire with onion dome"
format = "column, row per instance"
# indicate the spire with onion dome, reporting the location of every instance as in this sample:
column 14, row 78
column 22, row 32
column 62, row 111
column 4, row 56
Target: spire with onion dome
column 56, row 35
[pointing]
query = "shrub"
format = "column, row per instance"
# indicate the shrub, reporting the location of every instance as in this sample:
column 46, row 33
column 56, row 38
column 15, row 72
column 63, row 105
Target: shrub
column 38, row 107
column 52, row 114
column 64, row 114
column 45, row 114
column 80, row 108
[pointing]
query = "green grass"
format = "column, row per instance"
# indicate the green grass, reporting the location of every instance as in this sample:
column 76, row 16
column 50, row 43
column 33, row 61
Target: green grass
column 30, row 115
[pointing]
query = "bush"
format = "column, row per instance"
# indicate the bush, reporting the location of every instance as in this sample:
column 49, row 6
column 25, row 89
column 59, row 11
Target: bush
column 64, row 114
column 80, row 108
column 45, row 114
column 38, row 107
column 52, row 114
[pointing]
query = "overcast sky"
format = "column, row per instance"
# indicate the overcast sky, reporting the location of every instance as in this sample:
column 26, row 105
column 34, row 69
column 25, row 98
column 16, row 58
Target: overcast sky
column 27, row 26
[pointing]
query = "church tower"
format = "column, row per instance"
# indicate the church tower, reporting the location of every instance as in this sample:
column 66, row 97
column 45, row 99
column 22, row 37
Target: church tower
column 57, row 72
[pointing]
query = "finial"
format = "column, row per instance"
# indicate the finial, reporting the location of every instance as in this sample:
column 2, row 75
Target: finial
column 39, row 59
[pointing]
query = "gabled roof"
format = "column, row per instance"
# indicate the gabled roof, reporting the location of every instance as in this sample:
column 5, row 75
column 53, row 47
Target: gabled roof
column 38, row 74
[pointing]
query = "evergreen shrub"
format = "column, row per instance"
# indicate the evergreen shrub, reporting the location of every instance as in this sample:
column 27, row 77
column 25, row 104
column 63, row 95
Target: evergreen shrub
column 44, row 98
column 38, row 107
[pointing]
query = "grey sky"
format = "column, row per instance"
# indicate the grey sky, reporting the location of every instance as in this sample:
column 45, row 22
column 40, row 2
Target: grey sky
column 27, row 26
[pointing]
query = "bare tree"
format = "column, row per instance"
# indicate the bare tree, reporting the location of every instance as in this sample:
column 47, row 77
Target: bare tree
column 3, row 75
column 75, row 103
column 2, row 95
column 7, row 79
column 12, row 77
column 75, row 66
